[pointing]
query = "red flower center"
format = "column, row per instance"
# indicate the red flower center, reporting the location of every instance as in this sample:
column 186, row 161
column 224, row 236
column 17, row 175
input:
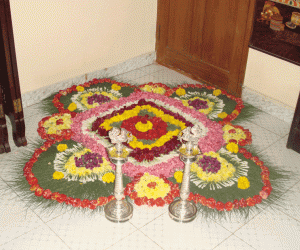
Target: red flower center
column 59, row 122
column 151, row 185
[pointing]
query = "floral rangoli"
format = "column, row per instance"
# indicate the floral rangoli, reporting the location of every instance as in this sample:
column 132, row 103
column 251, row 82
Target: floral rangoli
column 72, row 165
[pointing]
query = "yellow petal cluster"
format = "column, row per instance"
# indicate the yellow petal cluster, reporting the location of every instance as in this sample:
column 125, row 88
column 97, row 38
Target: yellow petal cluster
column 156, row 90
column 180, row 92
column 222, row 115
column 70, row 166
column 58, row 175
column 161, row 189
column 51, row 126
column 238, row 135
column 232, row 147
column 178, row 176
column 217, row 92
column 80, row 88
column 243, row 182
column 115, row 87
column 61, row 147
column 108, row 177
column 72, row 106
column 142, row 127
column 226, row 171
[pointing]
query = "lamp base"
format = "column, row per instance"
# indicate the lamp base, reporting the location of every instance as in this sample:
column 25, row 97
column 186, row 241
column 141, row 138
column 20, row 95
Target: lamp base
column 118, row 211
column 182, row 211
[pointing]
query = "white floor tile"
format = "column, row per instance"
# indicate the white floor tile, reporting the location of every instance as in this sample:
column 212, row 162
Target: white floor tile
column 144, row 214
column 130, row 76
column 261, row 137
column 233, row 223
column 40, row 238
column 15, row 220
column 194, row 235
column 271, row 230
column 152, row 68
column 83, row 232
column 166, row 76
column 234, row 243
column 272, row 124
column 284, row 158
column 135, row 241
column 289, row 203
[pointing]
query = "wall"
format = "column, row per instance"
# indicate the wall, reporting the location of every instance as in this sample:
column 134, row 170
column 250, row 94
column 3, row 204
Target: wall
column 56, row 40
column 273, row 77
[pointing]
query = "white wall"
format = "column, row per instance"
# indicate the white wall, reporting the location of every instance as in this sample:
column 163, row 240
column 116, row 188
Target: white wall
column 273, row 77
column 60, row 39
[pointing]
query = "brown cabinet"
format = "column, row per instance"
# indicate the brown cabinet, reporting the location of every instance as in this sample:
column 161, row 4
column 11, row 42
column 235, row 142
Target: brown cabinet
column 206, row 39
column 294, row 136
column 10, row 95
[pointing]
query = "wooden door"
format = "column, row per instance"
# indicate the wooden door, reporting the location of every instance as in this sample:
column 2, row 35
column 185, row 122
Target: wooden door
column 206, row 39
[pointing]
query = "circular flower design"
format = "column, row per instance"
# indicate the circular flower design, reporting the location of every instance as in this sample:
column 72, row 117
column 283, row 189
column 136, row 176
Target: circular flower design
column 94, row 97
column 152, row 187
column 207, row 104
column 80, row 164
column 237, row 134
column 57, row 126
column 145, row 127
column 218, row 170
column 151, row 190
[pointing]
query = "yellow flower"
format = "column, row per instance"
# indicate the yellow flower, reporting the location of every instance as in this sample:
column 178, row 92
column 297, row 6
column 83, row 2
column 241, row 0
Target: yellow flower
column 178, row 176
column 62, row 147
column 235, row 112
column 160, row 189
column 72, row 106
column 226, row 171
column 180, row 92
column 243, row 183
column 142, row 127
column 58, row 175
column 108, row 177
column 217, row 92
column 159, row 90
column 222, row 115
column 232, row 147
column 80, row 88
column 239, row 133
column 51, row 130
column 147, row 88
column 115, row 87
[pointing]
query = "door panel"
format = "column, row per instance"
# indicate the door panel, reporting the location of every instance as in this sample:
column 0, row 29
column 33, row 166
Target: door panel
column 207, row 39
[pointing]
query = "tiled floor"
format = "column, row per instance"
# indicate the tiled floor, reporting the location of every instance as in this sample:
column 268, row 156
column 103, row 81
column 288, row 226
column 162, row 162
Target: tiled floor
column 276, row 227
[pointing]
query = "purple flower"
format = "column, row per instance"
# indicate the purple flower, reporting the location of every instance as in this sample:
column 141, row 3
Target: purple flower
column 89, row 160
column 198, row 104
column 209, row 164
